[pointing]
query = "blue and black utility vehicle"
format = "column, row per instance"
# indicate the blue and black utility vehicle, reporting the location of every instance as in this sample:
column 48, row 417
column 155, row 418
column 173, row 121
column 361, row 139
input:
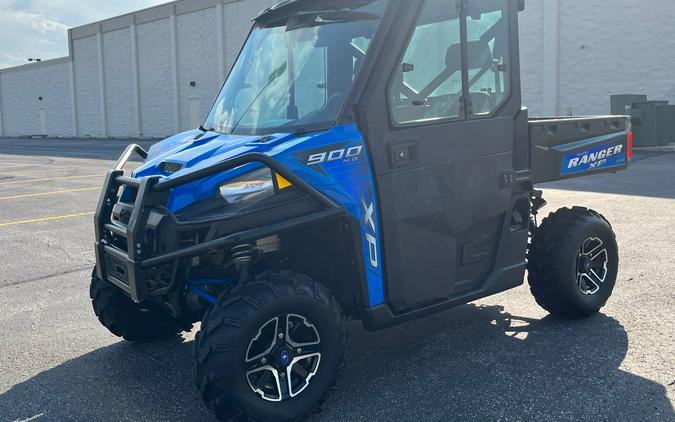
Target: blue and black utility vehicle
column 366, row 160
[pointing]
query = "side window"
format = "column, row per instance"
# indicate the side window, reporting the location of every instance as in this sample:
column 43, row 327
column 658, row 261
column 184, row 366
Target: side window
column 427, row 84
column 488, row 54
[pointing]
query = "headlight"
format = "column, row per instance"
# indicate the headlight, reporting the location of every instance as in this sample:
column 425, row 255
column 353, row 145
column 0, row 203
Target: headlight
column 253, row 186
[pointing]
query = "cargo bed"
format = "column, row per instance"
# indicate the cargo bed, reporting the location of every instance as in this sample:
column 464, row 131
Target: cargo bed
column 567, row 147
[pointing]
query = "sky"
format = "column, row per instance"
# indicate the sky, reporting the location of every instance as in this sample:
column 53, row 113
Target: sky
column 37, row 28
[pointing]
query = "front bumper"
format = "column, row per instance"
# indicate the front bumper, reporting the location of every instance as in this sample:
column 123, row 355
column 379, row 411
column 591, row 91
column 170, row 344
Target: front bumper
column 130, row 268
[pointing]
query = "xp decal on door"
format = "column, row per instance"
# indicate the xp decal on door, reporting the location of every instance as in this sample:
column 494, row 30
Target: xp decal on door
column 365, row 159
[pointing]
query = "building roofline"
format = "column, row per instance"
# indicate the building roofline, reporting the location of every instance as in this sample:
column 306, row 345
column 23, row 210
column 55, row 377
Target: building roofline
column 48, row 62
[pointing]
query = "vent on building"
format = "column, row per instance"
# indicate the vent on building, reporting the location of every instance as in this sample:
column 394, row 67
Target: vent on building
column 168, row 167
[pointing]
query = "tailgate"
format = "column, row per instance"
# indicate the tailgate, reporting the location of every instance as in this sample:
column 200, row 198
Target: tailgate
column 563, row 148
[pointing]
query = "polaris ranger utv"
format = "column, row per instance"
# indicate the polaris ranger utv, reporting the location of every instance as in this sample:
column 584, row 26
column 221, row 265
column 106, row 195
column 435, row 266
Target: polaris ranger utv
column 365, row 159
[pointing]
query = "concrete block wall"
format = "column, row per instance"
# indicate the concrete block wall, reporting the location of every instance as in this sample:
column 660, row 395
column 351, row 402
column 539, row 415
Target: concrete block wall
column 22, row 112
column 131, row 76
column 576, row 53
column 119, row 88
column 157, row 96
column 617, row 47
column 197, row 65
column 88, row 87
column 531, row 30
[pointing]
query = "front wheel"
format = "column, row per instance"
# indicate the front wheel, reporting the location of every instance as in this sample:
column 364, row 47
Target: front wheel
column 573, row 262
column 271, row 352
column 126, row 319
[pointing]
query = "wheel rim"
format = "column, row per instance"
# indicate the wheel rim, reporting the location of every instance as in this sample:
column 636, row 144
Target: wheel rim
column 592, row 263
column 283, row 357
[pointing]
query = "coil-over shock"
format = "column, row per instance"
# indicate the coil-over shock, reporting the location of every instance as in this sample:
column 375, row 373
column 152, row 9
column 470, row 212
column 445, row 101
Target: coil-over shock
column 242, row 256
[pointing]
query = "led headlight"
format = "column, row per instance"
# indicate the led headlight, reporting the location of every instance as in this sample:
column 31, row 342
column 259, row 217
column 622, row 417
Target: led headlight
column 253, row 186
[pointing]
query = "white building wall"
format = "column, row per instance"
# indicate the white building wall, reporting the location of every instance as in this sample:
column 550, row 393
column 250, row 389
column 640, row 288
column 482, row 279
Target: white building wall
column 88, row 87
column 617, row 47
column 119, row 94
column 157, row 93
column 22, row 88
column 531, row 28
column 238, row 15
column 198, row 63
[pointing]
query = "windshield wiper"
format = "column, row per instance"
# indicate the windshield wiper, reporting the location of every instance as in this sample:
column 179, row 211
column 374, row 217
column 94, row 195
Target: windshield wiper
column 273, row 77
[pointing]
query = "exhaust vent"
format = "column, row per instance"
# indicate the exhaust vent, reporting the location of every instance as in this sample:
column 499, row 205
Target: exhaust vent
column 168, row 167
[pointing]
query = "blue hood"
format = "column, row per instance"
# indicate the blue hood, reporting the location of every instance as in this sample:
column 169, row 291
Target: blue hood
column 334, row 161
column 193, row 152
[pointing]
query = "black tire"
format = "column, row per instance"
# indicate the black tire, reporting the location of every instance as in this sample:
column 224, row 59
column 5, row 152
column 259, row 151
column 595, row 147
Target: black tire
column 556, row 265
column 230, row 327
column 124, row 318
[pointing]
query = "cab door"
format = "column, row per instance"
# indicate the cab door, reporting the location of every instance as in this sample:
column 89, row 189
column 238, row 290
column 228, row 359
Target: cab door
column 442, row 149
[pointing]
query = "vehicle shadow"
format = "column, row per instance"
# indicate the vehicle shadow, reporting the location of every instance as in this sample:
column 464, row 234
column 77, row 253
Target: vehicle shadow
column 472, row 363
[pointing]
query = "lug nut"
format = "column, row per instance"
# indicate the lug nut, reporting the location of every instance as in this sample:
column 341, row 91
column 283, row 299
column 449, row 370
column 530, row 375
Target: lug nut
column 263, row 361
column 299, row 351
column 283, row 375
column 281, row 335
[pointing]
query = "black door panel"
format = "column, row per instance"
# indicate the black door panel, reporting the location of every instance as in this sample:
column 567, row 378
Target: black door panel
column 444, row 212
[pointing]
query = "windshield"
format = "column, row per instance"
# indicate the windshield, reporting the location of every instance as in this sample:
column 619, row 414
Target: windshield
column 295, row 74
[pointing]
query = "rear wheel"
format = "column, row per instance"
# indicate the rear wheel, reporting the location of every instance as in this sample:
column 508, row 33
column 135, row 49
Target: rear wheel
column 272, row 352
column 126, row 319
column 573, row 262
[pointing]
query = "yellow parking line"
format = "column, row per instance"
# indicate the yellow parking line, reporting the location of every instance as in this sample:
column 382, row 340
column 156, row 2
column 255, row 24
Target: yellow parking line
column 39, row 220
column 16, row 182
column 31, row 195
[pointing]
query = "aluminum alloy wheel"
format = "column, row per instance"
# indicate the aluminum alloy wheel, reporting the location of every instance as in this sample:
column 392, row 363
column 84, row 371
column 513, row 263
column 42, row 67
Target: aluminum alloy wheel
column 283, row 357
column 592, row 266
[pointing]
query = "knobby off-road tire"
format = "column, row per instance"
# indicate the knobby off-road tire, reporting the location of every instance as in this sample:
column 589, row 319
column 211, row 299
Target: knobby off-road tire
column 250, row 319
column 561, row 278
column 124, row 318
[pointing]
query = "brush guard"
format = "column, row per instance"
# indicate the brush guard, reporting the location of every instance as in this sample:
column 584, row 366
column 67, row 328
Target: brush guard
column 128, row 270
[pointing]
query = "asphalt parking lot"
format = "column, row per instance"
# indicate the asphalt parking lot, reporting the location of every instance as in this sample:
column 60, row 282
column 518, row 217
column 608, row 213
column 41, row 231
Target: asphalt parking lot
column 499, row 359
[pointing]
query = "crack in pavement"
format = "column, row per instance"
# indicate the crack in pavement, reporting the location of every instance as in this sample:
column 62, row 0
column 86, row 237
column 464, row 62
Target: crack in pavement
column 47, row 277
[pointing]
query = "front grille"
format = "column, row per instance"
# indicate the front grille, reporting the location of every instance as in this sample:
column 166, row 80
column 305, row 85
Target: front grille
column 169, row 167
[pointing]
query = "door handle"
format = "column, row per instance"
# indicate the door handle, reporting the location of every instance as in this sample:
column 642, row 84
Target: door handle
column 403, row 154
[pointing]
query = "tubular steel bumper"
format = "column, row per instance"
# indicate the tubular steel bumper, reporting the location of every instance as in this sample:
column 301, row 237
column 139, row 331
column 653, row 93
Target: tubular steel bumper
column 127, row 269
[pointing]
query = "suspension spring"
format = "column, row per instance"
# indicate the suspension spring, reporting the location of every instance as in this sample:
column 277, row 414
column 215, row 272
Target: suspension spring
column 242, row 255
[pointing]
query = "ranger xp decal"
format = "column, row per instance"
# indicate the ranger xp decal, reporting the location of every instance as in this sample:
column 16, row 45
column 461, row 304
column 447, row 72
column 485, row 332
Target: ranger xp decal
column 596, row 158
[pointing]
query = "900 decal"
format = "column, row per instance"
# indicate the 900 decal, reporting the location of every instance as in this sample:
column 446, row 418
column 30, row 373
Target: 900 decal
column 346, row 155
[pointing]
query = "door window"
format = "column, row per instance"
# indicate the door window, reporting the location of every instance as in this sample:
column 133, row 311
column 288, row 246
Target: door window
column 488, row 53
column 427, row 85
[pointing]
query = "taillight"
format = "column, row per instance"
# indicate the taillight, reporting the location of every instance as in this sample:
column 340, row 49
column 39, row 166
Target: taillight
column 630, row 145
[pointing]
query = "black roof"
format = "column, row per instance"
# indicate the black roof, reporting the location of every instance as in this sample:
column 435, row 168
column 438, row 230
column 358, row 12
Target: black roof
column 288, row 7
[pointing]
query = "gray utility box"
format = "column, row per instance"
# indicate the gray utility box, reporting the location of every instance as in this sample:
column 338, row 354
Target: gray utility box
column 665, row 132
column 619, row 103
column 646, row 123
